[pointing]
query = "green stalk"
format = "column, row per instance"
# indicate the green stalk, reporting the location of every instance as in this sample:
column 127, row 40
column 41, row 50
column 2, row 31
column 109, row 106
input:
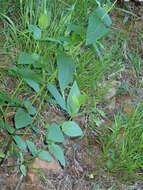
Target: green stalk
column 12, row 96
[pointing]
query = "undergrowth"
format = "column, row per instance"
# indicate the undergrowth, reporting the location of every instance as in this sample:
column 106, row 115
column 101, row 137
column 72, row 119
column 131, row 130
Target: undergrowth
column 55, row 54
column 45, row 43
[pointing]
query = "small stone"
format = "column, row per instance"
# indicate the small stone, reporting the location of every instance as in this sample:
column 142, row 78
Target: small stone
column 45, row 166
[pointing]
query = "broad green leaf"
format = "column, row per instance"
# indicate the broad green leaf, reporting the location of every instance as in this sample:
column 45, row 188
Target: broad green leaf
column 10, row 129
column 75, row 101
column 44, row 155
column 44, row 21
column 50, row 100
column 23, row 169
column 101, row 1
column 25, row 59
column 22, row 119
column 66, row 69
column 37, row 34
column 31, row 147
column 72, row 106
column 29, row 107
column 20, row 142
column 104, row 16
column 109, row 164
column 71, row 129
column 36, row 31
column 4, row 98
column 37, row 131
column 58, row 152
column 42, row 63
column 59, row 99
column 2, row 155
column 2, row 124
column 82, row 99
column 54, row 133
column 76, row 28
column 15, row 102
column 96, row 29
column 27, row 73
column 35, row 57
column 34, row 85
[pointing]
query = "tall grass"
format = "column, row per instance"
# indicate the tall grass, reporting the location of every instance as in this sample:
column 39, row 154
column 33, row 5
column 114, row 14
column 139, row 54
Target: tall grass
column 123, row 145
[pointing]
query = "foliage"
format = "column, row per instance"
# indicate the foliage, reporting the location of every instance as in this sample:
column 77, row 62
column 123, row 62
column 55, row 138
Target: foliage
column 49, row 39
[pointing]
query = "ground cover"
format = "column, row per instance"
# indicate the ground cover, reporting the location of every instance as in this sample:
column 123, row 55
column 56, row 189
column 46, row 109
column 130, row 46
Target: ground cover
column 70, row 95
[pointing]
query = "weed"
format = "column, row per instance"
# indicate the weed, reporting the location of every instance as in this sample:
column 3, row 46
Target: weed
column 47, row 40
column 57, row 55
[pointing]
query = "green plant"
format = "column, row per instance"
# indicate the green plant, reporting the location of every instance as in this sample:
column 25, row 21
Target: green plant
column 24, row 116
column 47, row 39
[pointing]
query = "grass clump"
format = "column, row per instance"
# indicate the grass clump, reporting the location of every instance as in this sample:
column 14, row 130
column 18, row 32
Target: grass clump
column 123, row 145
